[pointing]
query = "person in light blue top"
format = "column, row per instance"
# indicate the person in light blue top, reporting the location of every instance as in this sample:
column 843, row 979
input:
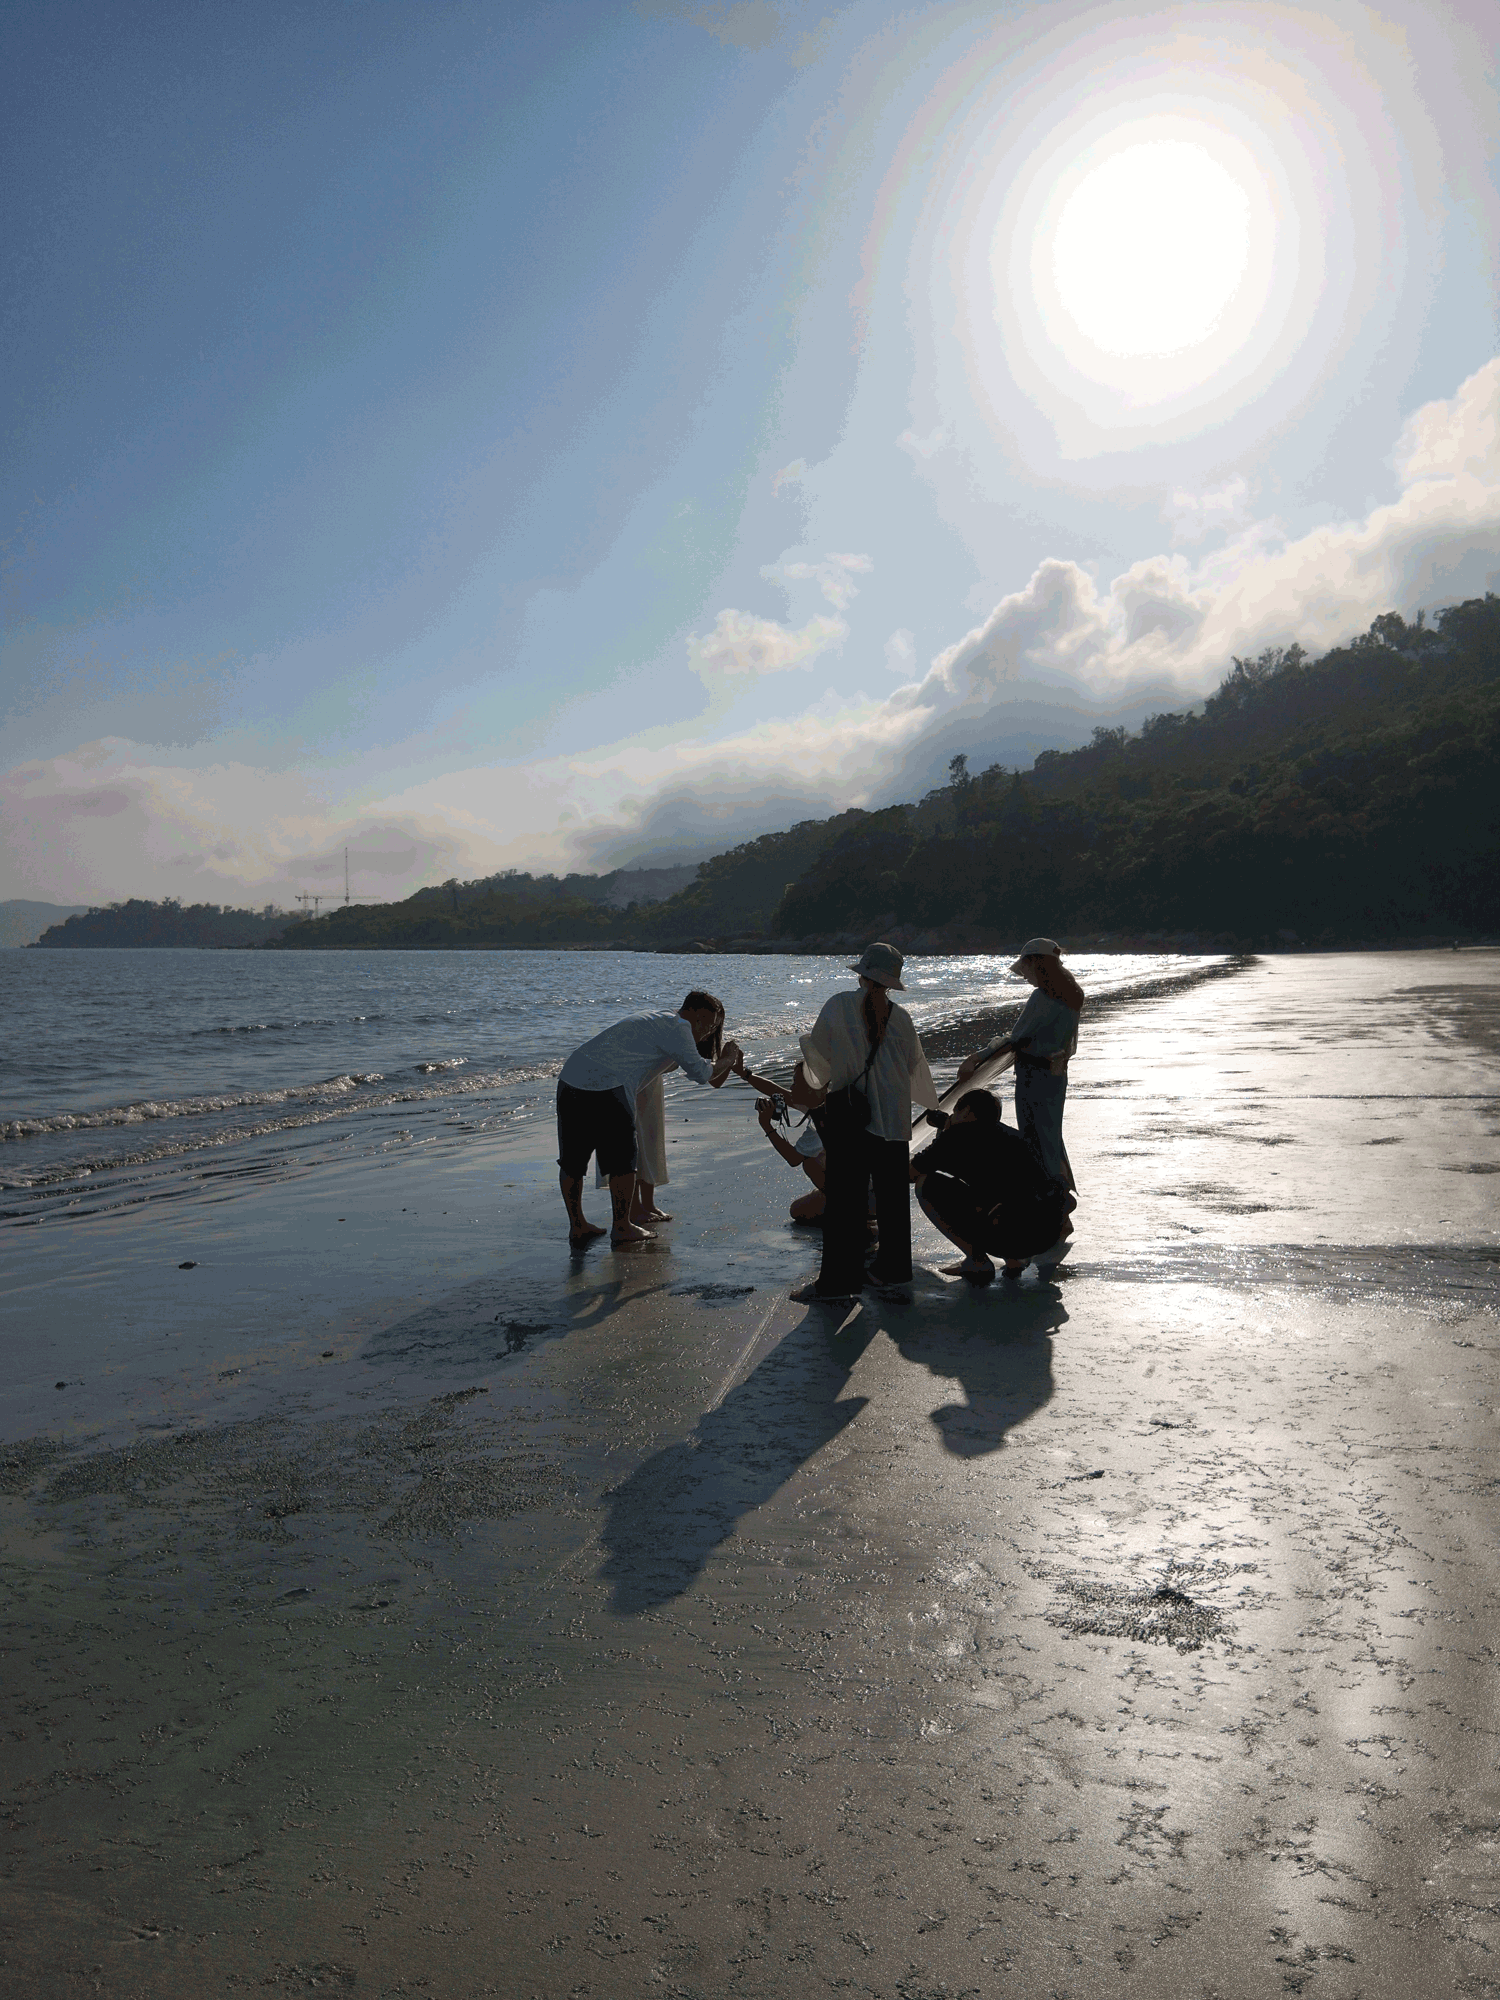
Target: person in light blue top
column 1042, row 1041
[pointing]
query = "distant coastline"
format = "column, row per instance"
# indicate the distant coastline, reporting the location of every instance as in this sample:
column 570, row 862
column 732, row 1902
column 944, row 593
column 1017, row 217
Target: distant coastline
column 23, row 921
column 1346, row 803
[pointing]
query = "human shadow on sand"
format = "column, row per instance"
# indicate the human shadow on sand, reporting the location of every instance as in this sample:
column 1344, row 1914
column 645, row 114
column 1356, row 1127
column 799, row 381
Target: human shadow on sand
column 998, row 1348
column 669, row 1516
column 666, row 1520
column 495, row 1317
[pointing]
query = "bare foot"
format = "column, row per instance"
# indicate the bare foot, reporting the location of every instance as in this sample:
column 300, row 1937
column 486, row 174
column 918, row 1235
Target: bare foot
column 629, row 1236
column 586, row 1233
column 651, row 1215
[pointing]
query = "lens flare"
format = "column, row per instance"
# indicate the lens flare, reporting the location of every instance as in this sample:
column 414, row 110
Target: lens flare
column 1144, row 260
column 1122, row 232
column 1151, row 249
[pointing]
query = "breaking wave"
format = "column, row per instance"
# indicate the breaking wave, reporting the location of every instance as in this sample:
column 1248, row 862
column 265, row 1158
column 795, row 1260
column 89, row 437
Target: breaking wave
column 542, row 1011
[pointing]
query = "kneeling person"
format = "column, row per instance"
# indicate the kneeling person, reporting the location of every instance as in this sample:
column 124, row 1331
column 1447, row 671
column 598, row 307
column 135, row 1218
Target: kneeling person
column 596, row 1101
column 806, row 1151
column 984, row 1188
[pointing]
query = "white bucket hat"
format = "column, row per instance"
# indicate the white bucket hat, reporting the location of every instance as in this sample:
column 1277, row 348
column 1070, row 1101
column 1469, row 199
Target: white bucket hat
column 882, row 963
column 1037, row 948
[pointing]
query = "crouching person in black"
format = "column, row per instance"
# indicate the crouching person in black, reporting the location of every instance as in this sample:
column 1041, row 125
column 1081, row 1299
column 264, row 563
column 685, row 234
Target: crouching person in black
column 984, row 1188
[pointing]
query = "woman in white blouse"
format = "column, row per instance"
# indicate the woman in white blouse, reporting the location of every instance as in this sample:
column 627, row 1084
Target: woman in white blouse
column 1043, row 1039
column 864, row 1065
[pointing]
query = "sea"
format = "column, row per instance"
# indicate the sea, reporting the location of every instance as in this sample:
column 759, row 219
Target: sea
column 133, row 1075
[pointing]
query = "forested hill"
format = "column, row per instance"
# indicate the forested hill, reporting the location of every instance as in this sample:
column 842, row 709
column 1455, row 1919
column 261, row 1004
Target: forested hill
column 137, row 924
column 1352, row 797
column 735, row 892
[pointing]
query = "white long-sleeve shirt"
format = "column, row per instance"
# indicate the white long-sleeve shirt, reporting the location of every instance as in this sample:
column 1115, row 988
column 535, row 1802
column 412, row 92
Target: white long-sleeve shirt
column 633, row 1052
column 836, row 1051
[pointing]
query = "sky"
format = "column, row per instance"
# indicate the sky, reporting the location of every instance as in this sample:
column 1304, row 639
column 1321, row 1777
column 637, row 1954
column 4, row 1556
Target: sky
column 488, row 436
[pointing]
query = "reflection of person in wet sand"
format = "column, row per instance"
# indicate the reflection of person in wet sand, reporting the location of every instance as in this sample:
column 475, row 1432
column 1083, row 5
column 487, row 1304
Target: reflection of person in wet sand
column 985, row 1189
column 598, row 1097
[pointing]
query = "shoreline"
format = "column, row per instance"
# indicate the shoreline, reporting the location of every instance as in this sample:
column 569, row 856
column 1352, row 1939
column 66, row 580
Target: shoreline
column 371, row 1085
column 1110, row 944
column 449, row 1609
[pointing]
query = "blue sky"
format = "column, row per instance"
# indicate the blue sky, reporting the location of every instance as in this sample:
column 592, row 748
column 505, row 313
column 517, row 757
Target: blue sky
column 560, row 436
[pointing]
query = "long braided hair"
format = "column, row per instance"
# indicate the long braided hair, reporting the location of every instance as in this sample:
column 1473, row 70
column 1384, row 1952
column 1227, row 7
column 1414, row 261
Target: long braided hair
column 873, row 1026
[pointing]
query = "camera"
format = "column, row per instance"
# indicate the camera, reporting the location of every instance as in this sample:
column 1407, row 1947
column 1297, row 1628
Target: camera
column 780, row 1113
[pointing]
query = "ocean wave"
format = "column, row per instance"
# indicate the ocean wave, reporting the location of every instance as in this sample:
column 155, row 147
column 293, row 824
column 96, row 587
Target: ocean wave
column 282, row 1027
column 149, row 1109
column 313, row 1104
column 46, row 1150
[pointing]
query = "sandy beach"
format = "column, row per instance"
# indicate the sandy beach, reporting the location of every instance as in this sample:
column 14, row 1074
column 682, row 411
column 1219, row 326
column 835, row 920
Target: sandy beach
column 398, row 1604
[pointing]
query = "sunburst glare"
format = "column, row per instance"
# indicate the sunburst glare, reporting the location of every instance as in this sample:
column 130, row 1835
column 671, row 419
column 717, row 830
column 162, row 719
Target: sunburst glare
column 1151, row 248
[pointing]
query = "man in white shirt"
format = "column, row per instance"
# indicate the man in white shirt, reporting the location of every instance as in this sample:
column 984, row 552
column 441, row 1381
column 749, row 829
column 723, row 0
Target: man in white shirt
column 596, row 1101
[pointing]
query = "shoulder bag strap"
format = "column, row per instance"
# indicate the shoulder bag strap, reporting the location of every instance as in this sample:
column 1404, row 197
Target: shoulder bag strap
column 875, row 1045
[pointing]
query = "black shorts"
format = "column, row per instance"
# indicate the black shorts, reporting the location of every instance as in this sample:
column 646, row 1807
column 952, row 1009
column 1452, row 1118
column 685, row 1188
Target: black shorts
column 594, row 1121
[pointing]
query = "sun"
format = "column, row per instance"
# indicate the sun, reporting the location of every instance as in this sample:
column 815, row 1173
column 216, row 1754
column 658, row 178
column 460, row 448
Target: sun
column 1150, row 249
column 1143, row 266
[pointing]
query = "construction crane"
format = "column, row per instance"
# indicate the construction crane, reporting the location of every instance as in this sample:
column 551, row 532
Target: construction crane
column 331, row 896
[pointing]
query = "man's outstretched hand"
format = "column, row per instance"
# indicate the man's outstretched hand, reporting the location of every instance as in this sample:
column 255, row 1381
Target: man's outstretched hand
column 731, row 1059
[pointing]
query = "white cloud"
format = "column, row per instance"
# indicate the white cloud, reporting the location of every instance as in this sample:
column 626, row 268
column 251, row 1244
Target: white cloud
column 742, row 647
column 834, row 576
column 1219, row 510
column 1155, row 597
column 1057, row 620
column 1455, row 440
column 107, row 821
column 1438, row 542
column 901, row 652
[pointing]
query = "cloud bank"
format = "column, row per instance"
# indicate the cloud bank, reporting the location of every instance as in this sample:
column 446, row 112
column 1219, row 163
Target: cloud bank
column 1052, row 657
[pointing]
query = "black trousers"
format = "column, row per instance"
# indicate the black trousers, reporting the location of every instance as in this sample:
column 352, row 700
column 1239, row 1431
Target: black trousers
column 855, row 1163
column 1018, row 1229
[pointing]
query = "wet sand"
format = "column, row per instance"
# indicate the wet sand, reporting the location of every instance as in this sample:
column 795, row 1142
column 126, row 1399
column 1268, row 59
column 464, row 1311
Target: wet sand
column 410, row 1608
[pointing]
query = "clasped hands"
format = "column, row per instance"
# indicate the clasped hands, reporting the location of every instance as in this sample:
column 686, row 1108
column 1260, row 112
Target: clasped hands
column 731, row 1062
